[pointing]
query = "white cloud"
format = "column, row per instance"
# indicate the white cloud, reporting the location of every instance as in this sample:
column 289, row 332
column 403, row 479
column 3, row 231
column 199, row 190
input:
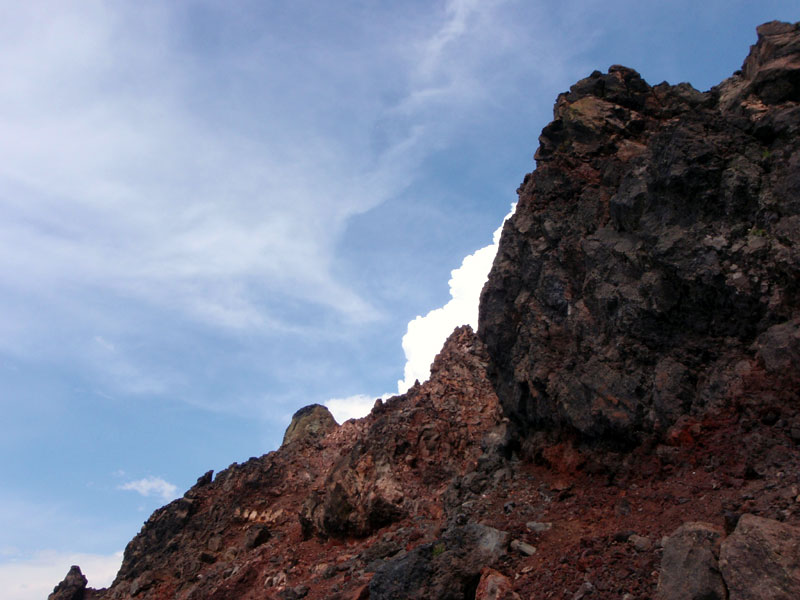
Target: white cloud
column 352, row 407
column 151, row 486
column 425, row 335
column 34, row 578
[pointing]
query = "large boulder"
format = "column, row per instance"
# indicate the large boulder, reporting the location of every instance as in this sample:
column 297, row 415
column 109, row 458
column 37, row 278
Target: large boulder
column 760, row 560
column 689, row 566
column 448, row 569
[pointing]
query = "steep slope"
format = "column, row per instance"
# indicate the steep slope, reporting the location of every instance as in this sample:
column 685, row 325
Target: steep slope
column 626, row 422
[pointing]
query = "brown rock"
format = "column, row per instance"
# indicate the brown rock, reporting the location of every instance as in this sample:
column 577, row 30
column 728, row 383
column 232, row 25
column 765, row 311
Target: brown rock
column 72, row 587
column 761, row 560
column 308, row 423
column 493, row 585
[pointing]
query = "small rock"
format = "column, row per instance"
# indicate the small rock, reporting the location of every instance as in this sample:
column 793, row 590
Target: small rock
column 537, row 527
column 586, row 589
column 523, row 548
column 641, row 543
column 278, row 580
column 256, row 535
column 215, row 543
column 623, row 508
column 494, row 586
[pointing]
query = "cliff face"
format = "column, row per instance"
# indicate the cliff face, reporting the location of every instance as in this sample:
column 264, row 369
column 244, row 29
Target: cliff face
column 652, row 267
column 634, row 376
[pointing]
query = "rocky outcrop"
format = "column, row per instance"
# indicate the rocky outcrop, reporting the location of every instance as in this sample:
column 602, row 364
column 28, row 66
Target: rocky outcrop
column 418, row 445
column 634, row 379
column 651, row 269
column 309, row 423
column 73, row 587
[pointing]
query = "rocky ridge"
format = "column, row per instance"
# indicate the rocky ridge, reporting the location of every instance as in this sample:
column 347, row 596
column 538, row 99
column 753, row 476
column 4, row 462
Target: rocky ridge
column 626, row 422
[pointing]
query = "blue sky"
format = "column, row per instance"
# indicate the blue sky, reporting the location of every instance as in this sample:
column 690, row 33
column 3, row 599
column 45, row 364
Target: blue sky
column 214, row 213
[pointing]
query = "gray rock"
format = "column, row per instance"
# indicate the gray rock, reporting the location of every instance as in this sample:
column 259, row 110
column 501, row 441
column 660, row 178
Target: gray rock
column 586, row 589
column 641, row 543
column 523, row 548
column 689, row 566
column 537, row 527
column 761, row 560
column 445, row 569
column 779, row 346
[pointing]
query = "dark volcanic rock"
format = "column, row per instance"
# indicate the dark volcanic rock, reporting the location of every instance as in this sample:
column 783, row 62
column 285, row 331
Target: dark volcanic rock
column 73, row 586
column 448, row 569
column 653, row 245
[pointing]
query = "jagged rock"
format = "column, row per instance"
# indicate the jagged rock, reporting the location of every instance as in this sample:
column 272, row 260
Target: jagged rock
column 309, row 423
column 448, row 569
column 772, row 70
column 453, row 415
column 650, row 249
column 760, row 560
column 72, row 587
column 689, row 566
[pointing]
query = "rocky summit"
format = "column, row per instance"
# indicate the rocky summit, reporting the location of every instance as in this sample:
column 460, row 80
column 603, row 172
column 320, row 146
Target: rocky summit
column 625, row 423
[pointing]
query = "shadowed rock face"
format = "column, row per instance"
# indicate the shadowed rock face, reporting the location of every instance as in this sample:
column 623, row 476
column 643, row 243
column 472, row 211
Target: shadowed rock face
column 653, row 245
column 641, row 327
column 72, row 588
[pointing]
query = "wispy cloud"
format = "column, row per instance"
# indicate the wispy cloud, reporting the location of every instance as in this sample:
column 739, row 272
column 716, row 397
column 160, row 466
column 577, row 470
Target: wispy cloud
column 141, row 172
column 151, row 486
